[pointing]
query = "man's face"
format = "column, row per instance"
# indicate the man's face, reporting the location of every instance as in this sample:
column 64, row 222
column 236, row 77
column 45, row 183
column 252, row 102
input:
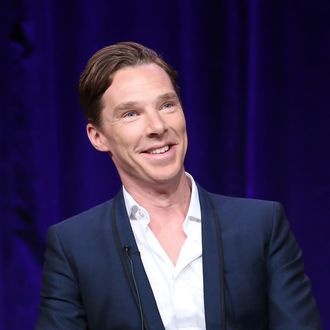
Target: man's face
column 142, row 126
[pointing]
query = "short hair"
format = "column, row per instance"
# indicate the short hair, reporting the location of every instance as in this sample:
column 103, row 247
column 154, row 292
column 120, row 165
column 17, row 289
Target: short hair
column 101, row 67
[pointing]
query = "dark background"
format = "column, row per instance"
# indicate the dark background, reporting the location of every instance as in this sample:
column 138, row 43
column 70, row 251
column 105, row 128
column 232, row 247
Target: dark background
column 255, row 80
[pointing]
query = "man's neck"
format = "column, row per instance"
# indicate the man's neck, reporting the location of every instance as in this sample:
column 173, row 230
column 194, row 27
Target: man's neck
column 167, row 206
column 171, row 197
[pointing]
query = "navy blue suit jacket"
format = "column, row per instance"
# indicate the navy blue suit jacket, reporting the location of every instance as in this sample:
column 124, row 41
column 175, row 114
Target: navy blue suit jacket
column 87, row 281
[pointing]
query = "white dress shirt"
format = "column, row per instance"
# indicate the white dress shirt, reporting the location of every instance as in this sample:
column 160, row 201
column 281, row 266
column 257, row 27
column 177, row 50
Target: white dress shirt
column 178, row 289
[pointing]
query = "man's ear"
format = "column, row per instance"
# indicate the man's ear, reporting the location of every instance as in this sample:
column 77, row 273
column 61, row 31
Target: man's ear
column 97, row 138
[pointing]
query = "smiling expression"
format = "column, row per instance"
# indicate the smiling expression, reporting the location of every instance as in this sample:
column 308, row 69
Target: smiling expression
column 142, row 126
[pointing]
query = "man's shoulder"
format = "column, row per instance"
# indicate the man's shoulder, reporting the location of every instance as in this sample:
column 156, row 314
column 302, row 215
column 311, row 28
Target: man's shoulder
column 87, row 219
column 248, row 219
column 245, row 202
column 83, row 234
column 226, row 201
column 247, row 211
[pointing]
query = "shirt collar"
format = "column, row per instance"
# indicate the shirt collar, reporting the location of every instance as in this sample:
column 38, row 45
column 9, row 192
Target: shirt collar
column 194, row 210
column 137, row 212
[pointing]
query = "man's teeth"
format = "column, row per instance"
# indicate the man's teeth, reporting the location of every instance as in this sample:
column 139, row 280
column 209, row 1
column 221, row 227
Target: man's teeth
column 159, row 151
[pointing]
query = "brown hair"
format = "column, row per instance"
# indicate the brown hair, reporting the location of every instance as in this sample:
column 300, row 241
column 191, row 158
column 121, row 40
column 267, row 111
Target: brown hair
column 98, row 73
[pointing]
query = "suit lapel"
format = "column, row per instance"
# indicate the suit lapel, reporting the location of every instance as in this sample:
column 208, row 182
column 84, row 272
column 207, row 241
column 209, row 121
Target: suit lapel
column 211, row 264
column 126, row 238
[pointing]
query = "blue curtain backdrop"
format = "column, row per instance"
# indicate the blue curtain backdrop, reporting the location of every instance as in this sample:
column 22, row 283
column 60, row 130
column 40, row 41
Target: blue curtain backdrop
column 255, row 80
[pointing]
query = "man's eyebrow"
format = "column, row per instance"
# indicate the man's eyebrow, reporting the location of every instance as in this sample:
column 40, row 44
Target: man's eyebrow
column 125, row 106
column 168, row 96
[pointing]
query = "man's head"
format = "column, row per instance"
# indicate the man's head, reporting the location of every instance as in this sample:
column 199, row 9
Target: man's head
column 135, row 114
column 98, row 74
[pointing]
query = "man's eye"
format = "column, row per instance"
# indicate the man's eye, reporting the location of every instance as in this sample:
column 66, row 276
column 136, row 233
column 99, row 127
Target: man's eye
column 129, row 114
column 167, row 105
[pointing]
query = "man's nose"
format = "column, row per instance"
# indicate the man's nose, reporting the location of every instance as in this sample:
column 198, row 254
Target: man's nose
column 156, row 124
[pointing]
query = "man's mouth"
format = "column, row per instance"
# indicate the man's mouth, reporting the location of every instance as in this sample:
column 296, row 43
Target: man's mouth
column 159, row 150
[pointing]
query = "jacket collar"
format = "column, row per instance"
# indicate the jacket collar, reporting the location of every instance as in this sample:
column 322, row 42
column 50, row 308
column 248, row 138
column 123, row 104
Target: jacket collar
column 144, row 298
column 213, row 265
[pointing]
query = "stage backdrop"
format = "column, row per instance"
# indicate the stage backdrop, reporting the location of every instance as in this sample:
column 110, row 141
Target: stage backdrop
column 255, row 80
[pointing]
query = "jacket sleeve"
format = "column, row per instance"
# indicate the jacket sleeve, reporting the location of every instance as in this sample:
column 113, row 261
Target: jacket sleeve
column 291, row 304
column 61, row 306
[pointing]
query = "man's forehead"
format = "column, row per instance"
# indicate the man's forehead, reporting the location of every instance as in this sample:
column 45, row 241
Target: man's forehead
column 139, row 83
column 143, row 69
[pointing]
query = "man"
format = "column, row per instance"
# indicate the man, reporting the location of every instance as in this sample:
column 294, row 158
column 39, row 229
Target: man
column 164, row 253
